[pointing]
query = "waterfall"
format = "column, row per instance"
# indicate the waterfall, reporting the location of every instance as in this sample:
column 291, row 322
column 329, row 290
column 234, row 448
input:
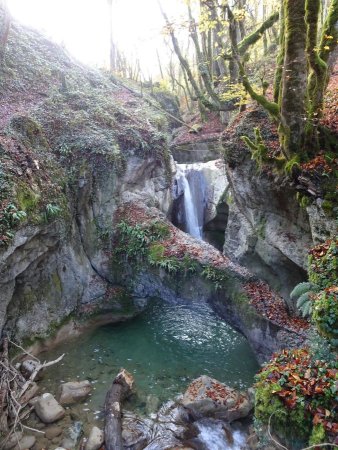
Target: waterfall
column 191, row 182
column 213, row 436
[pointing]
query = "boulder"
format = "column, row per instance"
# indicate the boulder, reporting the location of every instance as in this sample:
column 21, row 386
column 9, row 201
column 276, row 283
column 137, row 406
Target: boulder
column 73, row 392
column 95, row 440
column 26, row 442
column 208, row 397
column 48, row 409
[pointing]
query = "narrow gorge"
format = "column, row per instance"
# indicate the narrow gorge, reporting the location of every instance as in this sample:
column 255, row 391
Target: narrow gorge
column 131, row 239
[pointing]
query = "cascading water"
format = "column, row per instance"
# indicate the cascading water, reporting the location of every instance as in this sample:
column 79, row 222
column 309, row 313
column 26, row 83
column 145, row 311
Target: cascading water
column 191, row 182
column 213, row 436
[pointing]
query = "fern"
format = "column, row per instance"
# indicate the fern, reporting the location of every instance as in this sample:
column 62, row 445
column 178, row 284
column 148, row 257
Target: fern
column 300, row 289
column 303, row 293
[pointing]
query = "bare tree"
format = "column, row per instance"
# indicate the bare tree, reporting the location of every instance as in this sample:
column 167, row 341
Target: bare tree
column 5, row 24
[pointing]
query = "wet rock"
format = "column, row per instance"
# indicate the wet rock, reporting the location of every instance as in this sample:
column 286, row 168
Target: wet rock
column 73, row 392
column 152, row 404
column 163, row 430
column 28, row 367
column 67, row 443
column 136, row 431
column 12, row 441
column 48, row 409
column 52, row 432
column 26, row 442
column 73, row 435
column 209, row 397
column 95, row 440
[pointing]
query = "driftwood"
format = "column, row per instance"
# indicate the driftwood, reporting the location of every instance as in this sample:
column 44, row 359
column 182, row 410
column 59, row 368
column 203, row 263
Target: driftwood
column 16, row 391
column 120, row 389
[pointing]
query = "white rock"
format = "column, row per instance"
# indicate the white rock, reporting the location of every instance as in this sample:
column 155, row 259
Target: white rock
column 26, row 442
column 48, row 409
column 95, row 440
column 73, row 392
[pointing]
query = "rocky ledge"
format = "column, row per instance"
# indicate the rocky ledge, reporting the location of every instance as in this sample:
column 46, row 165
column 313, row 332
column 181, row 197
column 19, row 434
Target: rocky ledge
column 172, row 265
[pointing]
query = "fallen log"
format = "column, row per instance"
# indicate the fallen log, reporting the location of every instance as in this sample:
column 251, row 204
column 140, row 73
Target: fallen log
column 120, row 389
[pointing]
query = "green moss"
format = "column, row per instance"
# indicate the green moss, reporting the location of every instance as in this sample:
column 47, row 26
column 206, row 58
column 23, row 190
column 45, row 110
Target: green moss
column 261, row 228
column 327, row 206
column 258, row 149
column 323, row 264
column 292, row 164
column 30, row 131
column 27, row 199
column 318, row 435
column 255, row 36
column 303, row 200
column 156, row 252
column 218, row 277
column 325, row 314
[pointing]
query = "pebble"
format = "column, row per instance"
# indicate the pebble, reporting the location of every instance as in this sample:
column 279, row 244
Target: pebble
column 26, row 442
column 52, row 432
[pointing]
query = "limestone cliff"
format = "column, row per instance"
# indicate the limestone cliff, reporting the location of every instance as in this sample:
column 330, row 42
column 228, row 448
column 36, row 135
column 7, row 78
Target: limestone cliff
column 73, row 145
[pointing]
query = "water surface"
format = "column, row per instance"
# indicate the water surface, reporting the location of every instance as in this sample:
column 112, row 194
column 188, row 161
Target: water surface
column 164, row 347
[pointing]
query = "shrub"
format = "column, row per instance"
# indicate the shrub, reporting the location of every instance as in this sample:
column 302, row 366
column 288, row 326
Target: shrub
column 51, row 211
column 323, row 264
column 297, row 393
column 10, row 217
column 216, row 276
column 325, row 313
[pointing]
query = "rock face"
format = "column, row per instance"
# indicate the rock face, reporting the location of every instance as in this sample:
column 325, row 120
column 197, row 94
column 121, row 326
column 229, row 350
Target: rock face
column 73, row 392
column 208, row 397
column 48, row 409
column 90, row 154
column 206, row 275
column 267, row 230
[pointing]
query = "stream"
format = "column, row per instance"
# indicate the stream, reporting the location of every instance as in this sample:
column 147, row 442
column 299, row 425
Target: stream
column 165, row 347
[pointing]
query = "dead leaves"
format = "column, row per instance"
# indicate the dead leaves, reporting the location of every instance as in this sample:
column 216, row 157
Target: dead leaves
column 271, row 306
column 302, row 381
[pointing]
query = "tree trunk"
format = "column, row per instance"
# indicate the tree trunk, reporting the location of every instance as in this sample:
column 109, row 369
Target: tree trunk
column 4, row 30
column 280, row 57
column 294, row 80
column 120, row 389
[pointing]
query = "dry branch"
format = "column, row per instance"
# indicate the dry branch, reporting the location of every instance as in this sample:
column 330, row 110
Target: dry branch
column 16, row 391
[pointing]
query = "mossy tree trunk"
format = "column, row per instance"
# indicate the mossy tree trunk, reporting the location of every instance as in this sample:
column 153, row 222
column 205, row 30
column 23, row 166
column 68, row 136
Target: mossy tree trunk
column 321, row 58
column 294, row 78
column 304, row 65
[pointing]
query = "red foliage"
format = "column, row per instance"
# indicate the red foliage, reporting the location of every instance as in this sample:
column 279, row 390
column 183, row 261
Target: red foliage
column 321, row 249
column 302, row 379
column 272, row 306
column 319, row 165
